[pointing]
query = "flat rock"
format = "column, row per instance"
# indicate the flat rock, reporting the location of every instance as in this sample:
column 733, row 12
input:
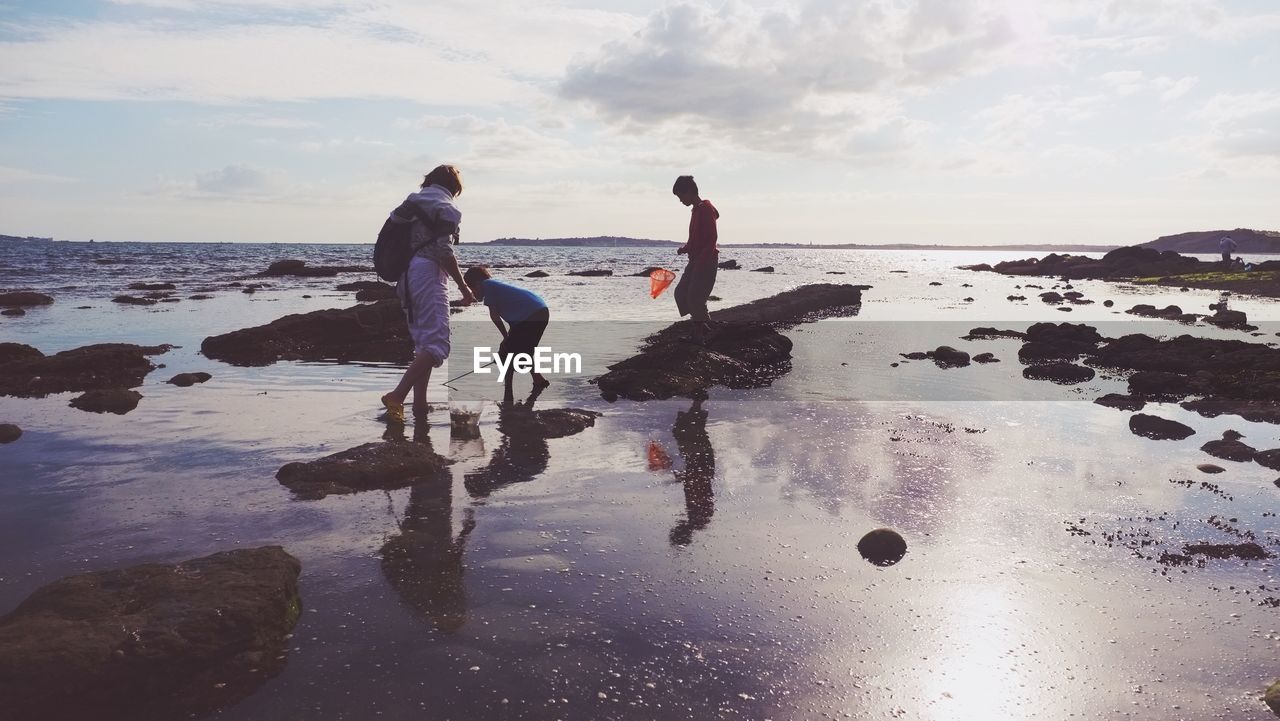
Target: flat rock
column 1060, row 373
column 299, row 268
column 593, row 273
column 155, row 641
column 882, row 547
column 1244, row 551
column 26, row 372
column 1121, row 402
column 537, row 274
column 21, row 299
column 546, row 423
column 984, row 333
column 765, row 269
column 9, row 432
column 372, row 332
column 1210, row 468
column 985, row 358
column 373, row 466
column 1230, row 449
column 1250, row 410
column 151, row 286
column 1269, row 459
column 1160, row 385
column 13, row 312
column 1157, row 428
column 133, row 300
column 184, row 380
column 728, row 265
column 380, row 291
column 107, row 400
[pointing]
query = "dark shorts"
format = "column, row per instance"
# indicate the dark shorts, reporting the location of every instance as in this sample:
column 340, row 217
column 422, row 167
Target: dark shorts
column 524, row 336
column 694, row 289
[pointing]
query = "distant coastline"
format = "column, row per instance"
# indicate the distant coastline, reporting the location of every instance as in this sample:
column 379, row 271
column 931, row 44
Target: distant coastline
column 623, row 242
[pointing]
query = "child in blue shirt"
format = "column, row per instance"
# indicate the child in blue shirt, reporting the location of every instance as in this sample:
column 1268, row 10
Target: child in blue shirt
column 523, row 310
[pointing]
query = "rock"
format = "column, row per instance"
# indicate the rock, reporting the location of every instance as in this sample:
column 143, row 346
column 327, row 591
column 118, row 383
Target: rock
column 360, row 285
column 1254, row 411
column 1170, row 312
column 155, row 641
column 1272, row 698
column 199, row 296
column 984, row 333
column 131, row 300
column 151, row 286
column 182, row 380
column 598, row 272
column 1051, row 297
column 1268, row 459
column 1131, row 262
column 968, row 300
column 1108, row 303
column 1073, row 295
column 1156, row 428
column 1209, row 468
column 300, row 268
column 374, row 332
column 26, row 372
column 1016, row 297
column 934, row 282
column 1244, row 551
column 547, row 423
column 13, row 312
column 765, row 269
column 1230, row 449
column 107, row 400
column 1233, row 319
column 947, row 357
column 1121, row 402
column 381, row 291
column 882, row 547
column 1160, row 385
column 985, row 358
column 373, row 466
column 742, row 351
column 647, row 271
column 24, row 298
column 728, row 265
column 9, row 433
column 1061, row 373
column 537, row 274
column 1064, row 310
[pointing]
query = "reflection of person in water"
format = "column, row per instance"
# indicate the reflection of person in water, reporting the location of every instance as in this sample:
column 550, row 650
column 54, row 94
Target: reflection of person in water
column 423, row 562
column 690, row 431
column 520, row 457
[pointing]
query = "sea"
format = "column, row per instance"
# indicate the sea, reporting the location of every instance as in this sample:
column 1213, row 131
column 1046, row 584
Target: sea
column 680, row 559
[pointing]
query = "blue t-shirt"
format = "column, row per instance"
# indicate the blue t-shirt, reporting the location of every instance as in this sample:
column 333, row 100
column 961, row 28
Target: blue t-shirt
column 514, row 304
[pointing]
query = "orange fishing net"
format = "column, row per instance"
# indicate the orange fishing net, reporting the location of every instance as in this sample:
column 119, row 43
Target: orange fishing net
column 659, row 279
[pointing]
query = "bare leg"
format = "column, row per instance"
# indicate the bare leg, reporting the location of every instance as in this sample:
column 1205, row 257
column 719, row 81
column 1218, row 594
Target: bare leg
column 417, row 375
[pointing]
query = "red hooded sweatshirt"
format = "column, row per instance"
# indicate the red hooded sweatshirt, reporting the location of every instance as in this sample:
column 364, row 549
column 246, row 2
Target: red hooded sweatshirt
column 702, row 234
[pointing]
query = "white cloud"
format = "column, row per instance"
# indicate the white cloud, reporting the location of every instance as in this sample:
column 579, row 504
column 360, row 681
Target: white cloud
column 15, row 176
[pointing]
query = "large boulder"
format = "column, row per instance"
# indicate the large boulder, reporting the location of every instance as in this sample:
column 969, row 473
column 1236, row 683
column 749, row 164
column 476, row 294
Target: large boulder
column 1121, row 402
column 156, row 641
column 379, row 291
column 1157, row 428
column 1268, row 459
column 107, row 400
column 184, row 380
column 547, row 423
column 1160, row 385
column 31, row 374
column 373, row 466
column 373, row 332
column 728, row 265
column 537, row 274
column 1230, row 448
column 23, row 299
column 9, row 432
column 1060, row 373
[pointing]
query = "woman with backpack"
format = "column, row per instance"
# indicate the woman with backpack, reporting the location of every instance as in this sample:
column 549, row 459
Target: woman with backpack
column 423, row 288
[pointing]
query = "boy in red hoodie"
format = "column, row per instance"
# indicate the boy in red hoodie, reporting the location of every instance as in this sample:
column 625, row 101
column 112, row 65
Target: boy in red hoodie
column 699, row 276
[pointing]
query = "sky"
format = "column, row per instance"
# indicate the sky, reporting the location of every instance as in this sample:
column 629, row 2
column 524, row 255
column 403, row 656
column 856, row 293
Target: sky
column 814, row 121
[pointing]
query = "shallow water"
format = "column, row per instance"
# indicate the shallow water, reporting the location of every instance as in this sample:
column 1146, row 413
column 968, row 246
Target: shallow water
column 586, row 578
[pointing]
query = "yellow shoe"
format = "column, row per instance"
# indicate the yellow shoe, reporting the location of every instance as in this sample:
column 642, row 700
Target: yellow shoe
column 395, row 411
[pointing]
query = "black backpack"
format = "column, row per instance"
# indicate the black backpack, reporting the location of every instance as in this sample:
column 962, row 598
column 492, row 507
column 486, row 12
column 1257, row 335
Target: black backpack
column 394, row 249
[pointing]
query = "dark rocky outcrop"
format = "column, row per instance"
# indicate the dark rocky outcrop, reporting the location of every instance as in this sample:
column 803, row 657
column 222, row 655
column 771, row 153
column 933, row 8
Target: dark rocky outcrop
column 149, row 642
column 1169, row 312
column 944, row 356
column 1272, row 698
column 183, row 380
column 537, row 274
column 1061, row 373
column 26, row 372
column 984, row 333
column 360, row 285
column 592, row 273
column 199, row 296
column 1051, row 297
column 23, row 299
column 1160, row 385
column 1157, row 428
column 133, row 300
column 1244, row 551
column 373, row 466
column 13, row 312
column 1232, row 319
column 1121, row 402
column 1268, row 459
column 743, row 350
column 728, row 265
column 9, row 433
column 107, row 400
column 765, row 269
column 299, row 268
column 1250, row 410
column 373, row 332
column 151, row 286
column 1230, row 448
column 1210, row 468
column 379, row 291
column 1121, row 263
column 985, row 358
